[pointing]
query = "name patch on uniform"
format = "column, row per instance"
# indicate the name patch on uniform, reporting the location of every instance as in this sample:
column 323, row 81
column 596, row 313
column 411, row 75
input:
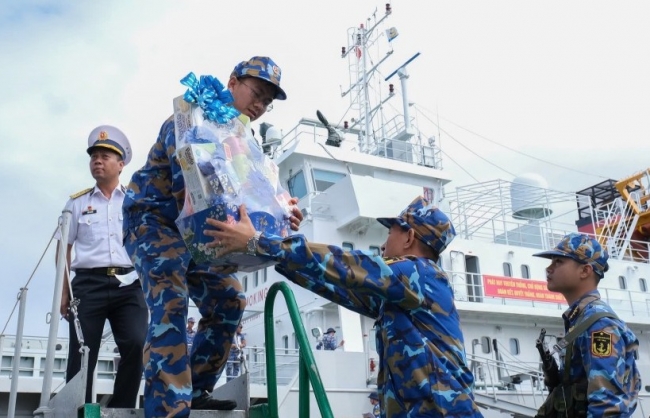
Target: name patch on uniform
column 601, row 344
column 89, row 211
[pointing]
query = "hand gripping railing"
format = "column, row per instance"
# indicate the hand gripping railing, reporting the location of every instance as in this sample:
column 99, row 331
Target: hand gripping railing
column 308, row 372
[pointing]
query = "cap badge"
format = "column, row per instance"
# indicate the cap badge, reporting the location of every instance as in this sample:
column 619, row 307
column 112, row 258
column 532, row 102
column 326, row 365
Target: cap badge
column 103, row 136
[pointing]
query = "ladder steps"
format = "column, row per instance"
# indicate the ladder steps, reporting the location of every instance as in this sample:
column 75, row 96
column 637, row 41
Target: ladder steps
column 94, row 411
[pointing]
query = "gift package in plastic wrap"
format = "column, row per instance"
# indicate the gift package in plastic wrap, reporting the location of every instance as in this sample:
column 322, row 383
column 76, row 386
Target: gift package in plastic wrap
column 223, row 166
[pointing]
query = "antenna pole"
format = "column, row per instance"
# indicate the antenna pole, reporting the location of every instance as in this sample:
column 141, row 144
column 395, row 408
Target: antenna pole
column 364, row 88
column 403, row 77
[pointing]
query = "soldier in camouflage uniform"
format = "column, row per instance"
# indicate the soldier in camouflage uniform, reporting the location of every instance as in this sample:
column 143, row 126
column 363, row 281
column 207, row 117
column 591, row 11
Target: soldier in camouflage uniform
column 422, row 365
column 599, row 375
column 176, row 382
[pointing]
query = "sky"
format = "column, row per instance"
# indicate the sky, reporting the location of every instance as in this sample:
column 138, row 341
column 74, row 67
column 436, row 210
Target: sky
column 563, row 81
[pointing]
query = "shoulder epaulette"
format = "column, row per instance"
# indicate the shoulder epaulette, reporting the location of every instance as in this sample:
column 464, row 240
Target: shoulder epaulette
column 81, row 193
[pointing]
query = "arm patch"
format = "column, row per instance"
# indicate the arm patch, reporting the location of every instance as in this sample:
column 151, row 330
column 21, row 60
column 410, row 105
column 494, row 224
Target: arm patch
column 601, row 344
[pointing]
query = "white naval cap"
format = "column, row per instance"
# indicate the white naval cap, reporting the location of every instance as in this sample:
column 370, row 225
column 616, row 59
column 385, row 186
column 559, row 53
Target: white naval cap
column 110, row 137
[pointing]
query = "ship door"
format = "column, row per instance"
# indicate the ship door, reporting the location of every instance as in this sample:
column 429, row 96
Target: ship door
column 458, row 276
column 473, row 279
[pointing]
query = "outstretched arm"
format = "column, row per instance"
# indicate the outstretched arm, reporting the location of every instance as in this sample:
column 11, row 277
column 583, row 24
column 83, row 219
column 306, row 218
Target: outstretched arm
column 327, row 266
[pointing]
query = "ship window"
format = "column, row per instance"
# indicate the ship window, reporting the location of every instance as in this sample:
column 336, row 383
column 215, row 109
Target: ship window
column 60, row 364
column 5, row 366
column 285, row 343
column 622, row 283
column 375, row 250
column 643, row 285
column 264, row 276
column 105, row 369
column 25, row 367
column 297, row 186
column 295, row 341
column 514, row 346
column 525, row 271
column 485, row 345
column 507, row 269
column 324, row 179
column 58, row 370
column 347, row 246
column 245, row 283
column 256, row 279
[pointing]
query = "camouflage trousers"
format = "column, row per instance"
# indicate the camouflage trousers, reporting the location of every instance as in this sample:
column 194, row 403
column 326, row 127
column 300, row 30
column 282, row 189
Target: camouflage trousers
column 169, row 276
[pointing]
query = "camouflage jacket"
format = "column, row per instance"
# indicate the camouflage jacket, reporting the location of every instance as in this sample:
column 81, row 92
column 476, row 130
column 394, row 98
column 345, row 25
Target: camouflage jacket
column 158, row 187
column 422, row 365
column 604, row 355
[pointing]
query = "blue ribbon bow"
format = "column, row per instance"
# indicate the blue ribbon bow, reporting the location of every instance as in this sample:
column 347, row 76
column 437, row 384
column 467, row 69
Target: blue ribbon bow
column 211, row 96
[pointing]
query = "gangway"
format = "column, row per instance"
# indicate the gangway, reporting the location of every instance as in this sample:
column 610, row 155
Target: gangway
column 69, row 401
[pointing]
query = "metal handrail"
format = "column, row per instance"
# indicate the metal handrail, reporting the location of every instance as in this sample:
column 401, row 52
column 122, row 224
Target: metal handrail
column 308, row 372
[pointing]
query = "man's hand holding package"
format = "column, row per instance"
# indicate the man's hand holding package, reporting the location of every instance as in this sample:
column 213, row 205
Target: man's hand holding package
column 229, row 238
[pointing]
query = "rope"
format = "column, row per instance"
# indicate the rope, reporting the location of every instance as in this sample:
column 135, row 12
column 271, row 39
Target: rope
column 465, row 146
column 513, row 149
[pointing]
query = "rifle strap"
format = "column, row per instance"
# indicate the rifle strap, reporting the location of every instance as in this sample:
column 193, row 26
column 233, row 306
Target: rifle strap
column 567, row 342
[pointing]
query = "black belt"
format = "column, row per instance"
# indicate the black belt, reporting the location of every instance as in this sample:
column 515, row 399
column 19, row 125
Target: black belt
column 106, row 271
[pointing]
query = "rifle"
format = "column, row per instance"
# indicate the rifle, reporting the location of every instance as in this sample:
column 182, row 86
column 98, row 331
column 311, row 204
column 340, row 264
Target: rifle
column 549, row 366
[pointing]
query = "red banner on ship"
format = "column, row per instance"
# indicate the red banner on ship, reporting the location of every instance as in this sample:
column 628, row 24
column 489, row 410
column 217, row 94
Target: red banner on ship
column 507, row 287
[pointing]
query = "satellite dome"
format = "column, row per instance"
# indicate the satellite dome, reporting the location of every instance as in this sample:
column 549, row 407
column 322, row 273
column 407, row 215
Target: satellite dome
column 528, row 197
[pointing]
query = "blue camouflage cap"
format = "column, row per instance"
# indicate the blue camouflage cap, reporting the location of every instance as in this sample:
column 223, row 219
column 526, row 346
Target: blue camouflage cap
column 430, row 225
column 581, row 248
column 264, row 68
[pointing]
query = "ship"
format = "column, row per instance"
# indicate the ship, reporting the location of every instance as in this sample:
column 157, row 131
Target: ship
column 372, row 164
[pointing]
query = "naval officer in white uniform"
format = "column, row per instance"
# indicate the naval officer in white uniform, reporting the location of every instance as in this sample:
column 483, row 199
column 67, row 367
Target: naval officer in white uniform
column 105, row 282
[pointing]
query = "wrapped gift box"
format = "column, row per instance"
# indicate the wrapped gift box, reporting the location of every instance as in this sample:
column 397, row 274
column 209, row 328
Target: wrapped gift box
column 223, row 167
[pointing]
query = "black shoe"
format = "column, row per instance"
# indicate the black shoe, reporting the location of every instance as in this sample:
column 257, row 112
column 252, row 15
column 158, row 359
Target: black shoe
column 207, row 402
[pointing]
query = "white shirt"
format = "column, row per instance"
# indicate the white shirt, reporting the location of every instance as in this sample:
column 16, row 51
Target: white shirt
column 96, row 230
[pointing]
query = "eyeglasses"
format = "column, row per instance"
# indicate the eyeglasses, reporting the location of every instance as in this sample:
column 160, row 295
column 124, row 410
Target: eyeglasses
column 257, row 96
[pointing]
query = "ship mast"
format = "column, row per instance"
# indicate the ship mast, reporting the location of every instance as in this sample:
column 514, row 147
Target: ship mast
column 362, row 69
column 361, row 39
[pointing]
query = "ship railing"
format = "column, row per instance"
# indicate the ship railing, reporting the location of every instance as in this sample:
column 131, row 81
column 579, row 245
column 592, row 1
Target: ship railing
column 413, row 152
column 469, row 287
column 522, row 381
column 307, row 369
column 486, row 223
column 30, row 364
column 286, row 363
column 489, row 224
column 408, row 152
column 395, row 125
